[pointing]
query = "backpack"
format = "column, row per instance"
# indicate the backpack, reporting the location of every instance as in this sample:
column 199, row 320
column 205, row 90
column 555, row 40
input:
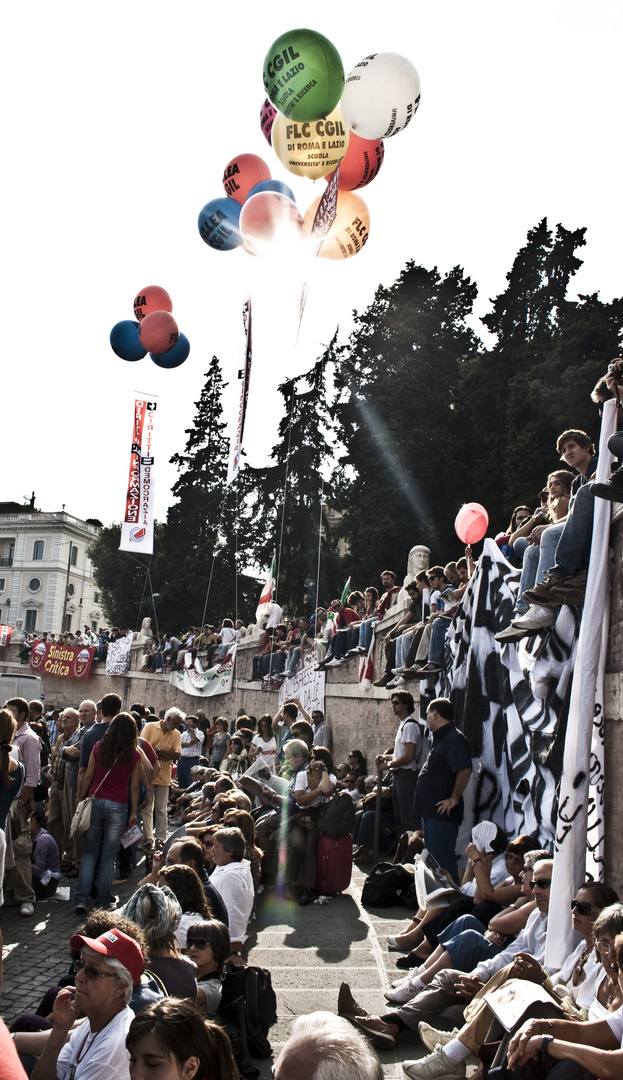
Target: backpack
column 386, row 885
column 254, row 986
column 337, row 817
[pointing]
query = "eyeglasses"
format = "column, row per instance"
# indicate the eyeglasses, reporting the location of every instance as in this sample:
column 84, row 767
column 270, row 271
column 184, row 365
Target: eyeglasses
column 92, row 973
column 583, row 907
column 605, row 948
column 199, row 942
column 543, row 883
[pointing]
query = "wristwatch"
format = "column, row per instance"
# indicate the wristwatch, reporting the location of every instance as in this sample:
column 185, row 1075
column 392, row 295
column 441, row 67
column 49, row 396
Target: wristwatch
column 547, row 1039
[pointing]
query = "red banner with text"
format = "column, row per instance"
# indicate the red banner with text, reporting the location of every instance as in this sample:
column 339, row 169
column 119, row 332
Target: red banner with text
column 62, row 660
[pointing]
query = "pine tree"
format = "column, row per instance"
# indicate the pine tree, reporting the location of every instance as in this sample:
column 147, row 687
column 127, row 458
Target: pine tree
column 197, row 558
column 122, row 578
column 286, row 499
column 402, row 477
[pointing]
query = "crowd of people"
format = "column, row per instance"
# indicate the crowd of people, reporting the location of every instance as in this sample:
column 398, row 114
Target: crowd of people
column 223, row 811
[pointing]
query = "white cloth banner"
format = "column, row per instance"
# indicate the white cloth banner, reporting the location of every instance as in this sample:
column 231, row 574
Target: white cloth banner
column 118, row 655
column 579, row 839
column 308, row 686
column 215, row 680
column 137, row 526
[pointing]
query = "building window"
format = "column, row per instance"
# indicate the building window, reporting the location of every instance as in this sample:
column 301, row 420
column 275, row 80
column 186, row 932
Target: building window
column 30, row 622
column 96, row 597
column 74, row 555
column 34, row 584
column 37, row 550
column 2, row 583
column 66, row 624
column 71, row 589
column 94, row 627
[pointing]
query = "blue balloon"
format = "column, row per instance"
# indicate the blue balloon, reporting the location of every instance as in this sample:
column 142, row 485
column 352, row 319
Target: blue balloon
column 272, row 185
column 175, row 356
column 219, row 224
column 125, row 341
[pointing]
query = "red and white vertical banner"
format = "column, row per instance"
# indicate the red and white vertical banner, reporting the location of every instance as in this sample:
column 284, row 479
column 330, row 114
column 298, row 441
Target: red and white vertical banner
column 245, row 376
column 137, row 527
column 5, row 635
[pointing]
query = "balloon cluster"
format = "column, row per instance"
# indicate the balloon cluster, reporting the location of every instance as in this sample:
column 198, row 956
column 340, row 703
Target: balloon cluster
column 156, row 331
column 315, row 121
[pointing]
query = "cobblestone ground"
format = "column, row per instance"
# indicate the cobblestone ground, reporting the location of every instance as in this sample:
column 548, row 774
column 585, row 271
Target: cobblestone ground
column 309, row 952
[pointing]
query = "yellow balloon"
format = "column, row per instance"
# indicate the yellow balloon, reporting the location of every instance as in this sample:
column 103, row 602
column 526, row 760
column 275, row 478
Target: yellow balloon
column 349, row 231
column 312, row 148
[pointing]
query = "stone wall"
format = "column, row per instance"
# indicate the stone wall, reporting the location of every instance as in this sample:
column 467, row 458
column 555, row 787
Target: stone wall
column 359, row 720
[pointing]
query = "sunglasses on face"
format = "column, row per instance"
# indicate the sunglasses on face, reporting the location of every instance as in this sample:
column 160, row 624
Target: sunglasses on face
column 544, row 883
column 582, row 907
column 199, row 942
column 91, row 972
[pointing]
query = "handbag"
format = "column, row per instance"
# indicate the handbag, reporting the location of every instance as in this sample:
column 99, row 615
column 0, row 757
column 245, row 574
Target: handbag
column 81, row 821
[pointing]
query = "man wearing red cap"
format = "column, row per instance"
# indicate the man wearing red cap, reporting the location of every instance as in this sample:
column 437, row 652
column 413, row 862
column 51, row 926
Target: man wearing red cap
column 110, row 966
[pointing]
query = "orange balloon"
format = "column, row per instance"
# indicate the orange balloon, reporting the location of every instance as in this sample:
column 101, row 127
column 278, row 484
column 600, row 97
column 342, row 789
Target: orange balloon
column 242, row 173
column 349, row 231
column 363, row 160
column 158, row 332
column 152, row 298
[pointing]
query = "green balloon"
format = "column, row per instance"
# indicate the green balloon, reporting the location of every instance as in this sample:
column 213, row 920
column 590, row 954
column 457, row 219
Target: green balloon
column 303, row 75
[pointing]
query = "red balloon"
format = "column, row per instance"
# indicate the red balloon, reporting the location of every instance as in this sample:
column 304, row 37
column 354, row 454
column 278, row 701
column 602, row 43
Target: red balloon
column 471, row 523
column 363, row 160
column 242, row 173
column 267, row 115
column 153, row 298
column 158, row 332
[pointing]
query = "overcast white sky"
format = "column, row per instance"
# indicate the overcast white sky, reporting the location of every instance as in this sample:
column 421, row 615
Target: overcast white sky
column 119, row 120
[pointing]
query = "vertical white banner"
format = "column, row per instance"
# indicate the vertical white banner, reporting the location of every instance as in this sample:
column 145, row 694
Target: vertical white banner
column 137, row 527
column 580, row 801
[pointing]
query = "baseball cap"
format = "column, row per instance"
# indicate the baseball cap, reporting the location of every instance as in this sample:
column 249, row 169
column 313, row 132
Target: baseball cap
column 116, row 945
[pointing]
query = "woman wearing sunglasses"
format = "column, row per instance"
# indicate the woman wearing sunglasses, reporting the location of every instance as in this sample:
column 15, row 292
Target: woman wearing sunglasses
column 594, row 1048
column 209, row 946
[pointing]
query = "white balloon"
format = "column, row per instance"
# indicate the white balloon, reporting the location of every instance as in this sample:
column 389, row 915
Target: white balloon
column 381, row 96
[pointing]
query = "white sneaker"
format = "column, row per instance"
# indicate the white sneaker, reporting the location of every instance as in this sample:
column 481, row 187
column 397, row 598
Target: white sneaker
column 400, row 996
column 400, row 984
column 436, row 1066
column 536, row 618
column 27, row 909
column 432, row 1037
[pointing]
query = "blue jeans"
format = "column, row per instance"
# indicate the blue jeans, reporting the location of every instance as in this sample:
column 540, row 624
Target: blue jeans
column 466, row 944
column 537, row 560
column 574, row 546
column 101, row 840
column 437, row 639
column 403, row 644
column 365, row 632
column 293, row 662
column 440, row 839
column 184, row 765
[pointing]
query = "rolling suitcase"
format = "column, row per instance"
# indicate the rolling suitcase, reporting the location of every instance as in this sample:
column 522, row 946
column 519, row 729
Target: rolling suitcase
column 334, row 863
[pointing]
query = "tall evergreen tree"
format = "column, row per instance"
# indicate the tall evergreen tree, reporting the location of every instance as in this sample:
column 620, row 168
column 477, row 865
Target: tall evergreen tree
column 535, row 381
column 122, row 578
column 286, row 499
column 402, row 477
column 197, row 557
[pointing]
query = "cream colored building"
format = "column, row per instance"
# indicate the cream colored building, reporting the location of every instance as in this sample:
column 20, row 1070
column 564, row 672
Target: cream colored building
column 46, row 578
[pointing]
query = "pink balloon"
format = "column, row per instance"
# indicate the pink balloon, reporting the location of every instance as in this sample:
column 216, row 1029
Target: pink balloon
column 471, row 523
column 267, row 115
column 269, row 220
column 242, row 173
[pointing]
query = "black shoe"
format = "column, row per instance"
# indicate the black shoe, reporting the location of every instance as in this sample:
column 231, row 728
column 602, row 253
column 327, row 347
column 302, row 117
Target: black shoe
column 405, row 963
column 611, row 490
column 307, row 897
